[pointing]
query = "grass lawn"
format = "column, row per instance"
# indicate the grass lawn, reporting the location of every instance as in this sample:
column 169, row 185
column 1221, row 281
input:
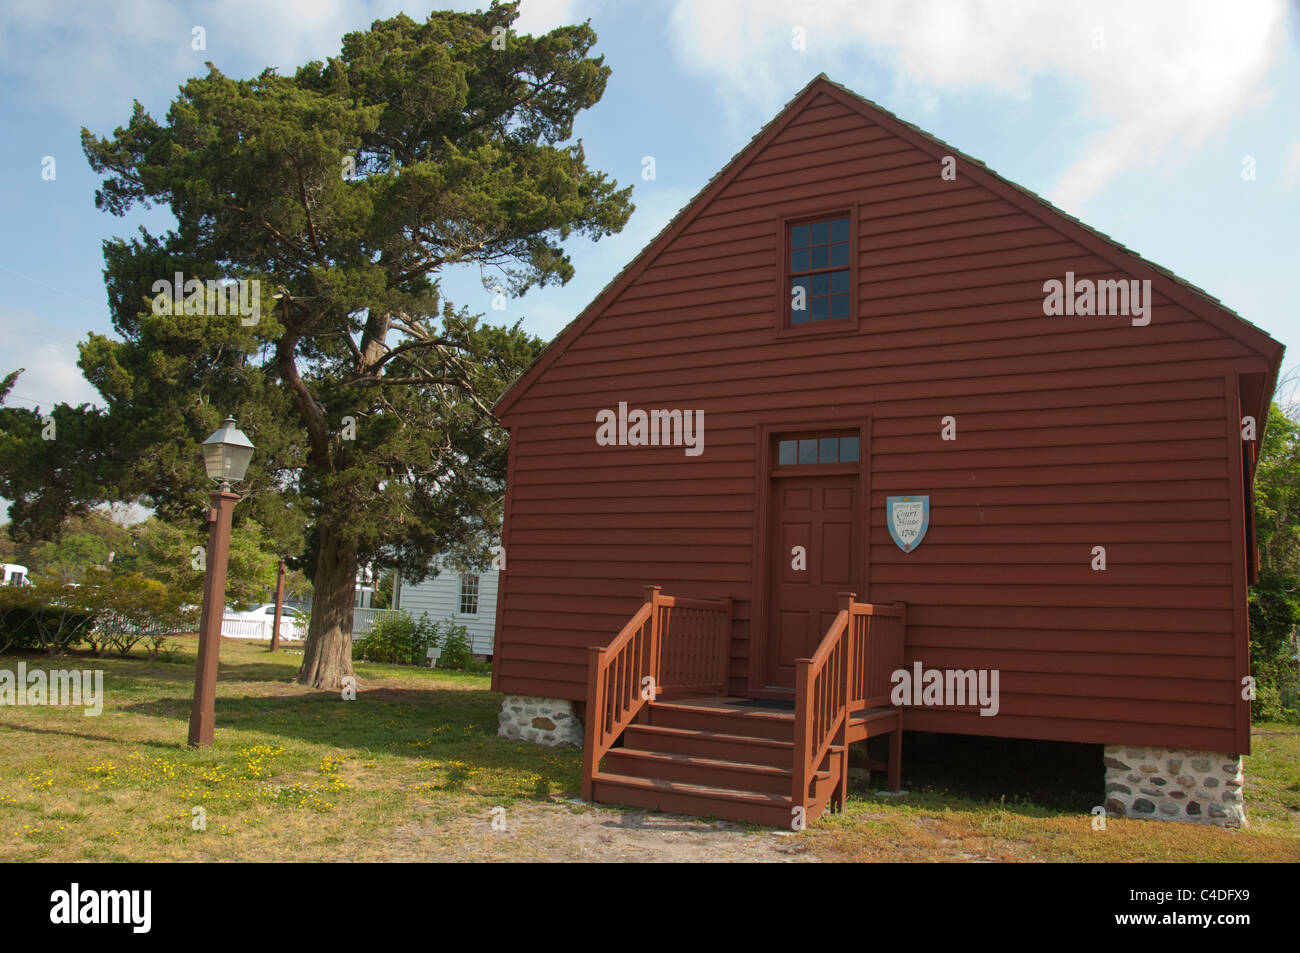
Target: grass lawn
column 413, row 770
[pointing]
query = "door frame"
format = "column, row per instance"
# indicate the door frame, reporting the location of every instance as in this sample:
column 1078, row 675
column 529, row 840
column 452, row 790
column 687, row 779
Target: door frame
column 763, row 557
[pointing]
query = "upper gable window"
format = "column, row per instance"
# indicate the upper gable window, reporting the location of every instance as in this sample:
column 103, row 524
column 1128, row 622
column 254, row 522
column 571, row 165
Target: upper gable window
column 819, row 271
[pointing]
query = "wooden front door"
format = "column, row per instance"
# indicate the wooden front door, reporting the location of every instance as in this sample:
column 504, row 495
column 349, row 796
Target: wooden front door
column 812, row 559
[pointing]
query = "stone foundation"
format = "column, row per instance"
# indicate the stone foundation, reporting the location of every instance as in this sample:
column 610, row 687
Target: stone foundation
column 546, row 721
column 1197, row 786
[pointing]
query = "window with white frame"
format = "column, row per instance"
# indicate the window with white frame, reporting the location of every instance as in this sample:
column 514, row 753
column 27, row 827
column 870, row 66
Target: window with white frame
column 468, row 594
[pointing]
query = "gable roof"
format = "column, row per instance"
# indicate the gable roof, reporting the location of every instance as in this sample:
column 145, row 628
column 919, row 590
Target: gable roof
column 1194, row 299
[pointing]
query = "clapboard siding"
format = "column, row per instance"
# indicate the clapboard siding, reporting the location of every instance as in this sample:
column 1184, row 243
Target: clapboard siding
column 439, row 597
column 1072, row 432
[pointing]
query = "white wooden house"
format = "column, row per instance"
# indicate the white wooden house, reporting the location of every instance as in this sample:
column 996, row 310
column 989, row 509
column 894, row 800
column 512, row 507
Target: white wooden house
column 466, row 598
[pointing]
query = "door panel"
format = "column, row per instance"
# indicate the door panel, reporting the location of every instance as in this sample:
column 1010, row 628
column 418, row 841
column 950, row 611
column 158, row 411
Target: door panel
column 818, row 513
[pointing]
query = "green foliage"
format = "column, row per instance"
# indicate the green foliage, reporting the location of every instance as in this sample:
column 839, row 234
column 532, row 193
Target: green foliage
column 401, row 639
column 131, row 609
column 383, row 597
column 457, row 650
column 1275, row 597
column 83, row 540
column 397, row 638
column 50, row 615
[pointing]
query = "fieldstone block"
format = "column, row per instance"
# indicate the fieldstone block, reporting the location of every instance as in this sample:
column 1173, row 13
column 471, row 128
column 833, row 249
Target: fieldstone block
column 545, row 721
column 1201, row 787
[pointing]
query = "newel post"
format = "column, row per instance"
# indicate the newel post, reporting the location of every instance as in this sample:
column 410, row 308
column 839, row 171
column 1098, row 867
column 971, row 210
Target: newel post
column 847, row 601
column 595, row 727
column 653, row 597
column 802, row 730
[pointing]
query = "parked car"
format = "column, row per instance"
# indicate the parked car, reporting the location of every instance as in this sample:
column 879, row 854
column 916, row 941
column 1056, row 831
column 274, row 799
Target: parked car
column 257, row 623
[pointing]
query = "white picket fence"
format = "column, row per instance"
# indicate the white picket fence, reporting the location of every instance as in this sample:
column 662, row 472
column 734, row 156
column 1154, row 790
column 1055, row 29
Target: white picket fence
column 363, row 621
column 236, row 628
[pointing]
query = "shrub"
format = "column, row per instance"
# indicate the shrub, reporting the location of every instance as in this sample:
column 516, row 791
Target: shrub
column 50, row 615
column 457, row 651
column 401, row 639
column 397, row 638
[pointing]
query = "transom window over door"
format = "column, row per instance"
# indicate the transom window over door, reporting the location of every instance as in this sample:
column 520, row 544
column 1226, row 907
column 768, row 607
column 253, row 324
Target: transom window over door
column 819, row 271
column 814, row 450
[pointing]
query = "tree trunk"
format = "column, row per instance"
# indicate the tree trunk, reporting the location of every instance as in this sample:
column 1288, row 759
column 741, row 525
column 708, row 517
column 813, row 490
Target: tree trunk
column 327, row 655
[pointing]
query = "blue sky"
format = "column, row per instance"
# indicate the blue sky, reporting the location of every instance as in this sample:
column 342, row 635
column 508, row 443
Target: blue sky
column 1135, row 117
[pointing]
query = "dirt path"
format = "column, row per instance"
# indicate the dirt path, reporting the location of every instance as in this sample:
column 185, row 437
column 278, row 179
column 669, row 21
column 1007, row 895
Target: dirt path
column 568, row 832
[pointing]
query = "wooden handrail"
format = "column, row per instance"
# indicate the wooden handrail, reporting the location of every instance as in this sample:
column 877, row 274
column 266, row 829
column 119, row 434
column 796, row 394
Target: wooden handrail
column 671, row 644
column 849, row 671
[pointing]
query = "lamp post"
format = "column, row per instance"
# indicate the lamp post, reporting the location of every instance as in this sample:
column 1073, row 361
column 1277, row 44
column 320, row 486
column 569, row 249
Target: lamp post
column 279, row 607
column 225, row 457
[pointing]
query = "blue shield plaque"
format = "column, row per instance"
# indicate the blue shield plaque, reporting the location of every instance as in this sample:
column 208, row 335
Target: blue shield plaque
column 908, row 518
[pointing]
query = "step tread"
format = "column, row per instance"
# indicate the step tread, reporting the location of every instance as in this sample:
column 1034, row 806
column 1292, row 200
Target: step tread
column 713, row 735
column 704, row 762
column 698, row 790
column 757, row 714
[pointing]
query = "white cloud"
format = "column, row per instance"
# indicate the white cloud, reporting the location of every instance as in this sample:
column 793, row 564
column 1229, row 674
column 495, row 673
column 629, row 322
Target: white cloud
column 51, row 376
column 1167, row 74
column 542, row 16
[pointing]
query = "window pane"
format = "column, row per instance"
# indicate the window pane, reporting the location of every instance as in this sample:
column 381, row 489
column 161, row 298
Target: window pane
column 840, row 230
column 848, row 449
column 821, row 233
column 799, row 236
column 798, row 317
column 799, row 260
column 469, row 594
column 807, row 451
column 829, row 445
column 820, row 308
column 839, row 255
column 821, row 256
column 839, row 282
column 820, row 284
column 787, row 452
column 839, row 306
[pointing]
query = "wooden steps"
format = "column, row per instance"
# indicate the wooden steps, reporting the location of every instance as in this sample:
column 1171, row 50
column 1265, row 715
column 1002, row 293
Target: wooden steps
column 711, row 760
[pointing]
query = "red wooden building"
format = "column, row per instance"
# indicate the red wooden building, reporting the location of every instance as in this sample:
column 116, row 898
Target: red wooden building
column 853, row 315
